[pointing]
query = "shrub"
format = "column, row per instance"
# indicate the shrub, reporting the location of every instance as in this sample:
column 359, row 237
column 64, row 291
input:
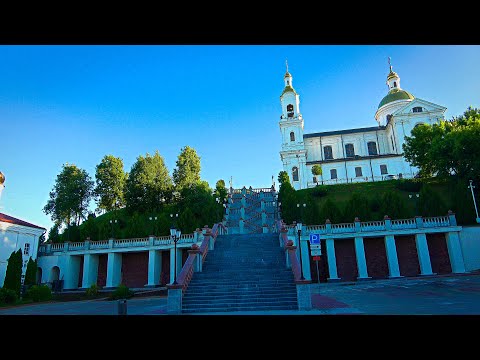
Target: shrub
column 121, row 292
column 319, row 191
column 39, row 293
column 92, row 291
column 8, row 296
column 412, row 185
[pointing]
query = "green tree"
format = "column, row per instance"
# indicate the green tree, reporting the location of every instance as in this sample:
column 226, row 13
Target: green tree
column 461, row 202
column 430, row 203
column 357, row 206
column 187, row 171
column 31, row 272
column 148, row 184
column 448, row 148
column 110, row 183
column 70, row 196
column 288, row 199
column 89, row 228
column 283, row 178
column 393, row 205
column 317, row 171
column 13, row 275
column 330, row 211
column 53, row 235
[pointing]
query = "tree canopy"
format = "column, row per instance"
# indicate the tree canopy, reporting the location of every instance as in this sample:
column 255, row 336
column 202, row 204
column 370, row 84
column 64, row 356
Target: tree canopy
column 148, row 184
column 283, row 177
column 110, row 183
column 188, row 168
column 70, row 196
column 448, row 148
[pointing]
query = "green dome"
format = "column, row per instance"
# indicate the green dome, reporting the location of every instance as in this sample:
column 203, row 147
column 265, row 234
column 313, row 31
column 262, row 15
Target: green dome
column 288, row 88
column 395, row 94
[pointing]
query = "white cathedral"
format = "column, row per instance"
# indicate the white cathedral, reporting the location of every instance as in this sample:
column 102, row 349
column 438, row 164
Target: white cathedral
column 353, row 155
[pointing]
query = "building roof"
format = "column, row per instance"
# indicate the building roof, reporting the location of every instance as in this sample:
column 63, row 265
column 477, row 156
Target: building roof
column 395, row 94
column 287, row 74
column 10, row 219
column 341, row 132
column 288, row 88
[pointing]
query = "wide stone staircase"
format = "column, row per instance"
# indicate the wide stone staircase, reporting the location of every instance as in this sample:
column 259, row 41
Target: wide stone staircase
column 244, row 272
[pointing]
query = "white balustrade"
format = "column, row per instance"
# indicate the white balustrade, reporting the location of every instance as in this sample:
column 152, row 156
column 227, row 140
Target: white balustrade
column 343, row 228
column 401, row 224
column 103, row 244
column 122, row 243
column 437, row 221
column 372, row 226
column 76, row 246
column 57, row 247
column 317, row 229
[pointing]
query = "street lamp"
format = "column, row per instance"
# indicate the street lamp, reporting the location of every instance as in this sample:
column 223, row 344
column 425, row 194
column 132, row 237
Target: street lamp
column 112, row 222
column 299, row 230
column 414, row 199
column 175, row 234
column 301, row 210
column 471, row 187
column 153, row 224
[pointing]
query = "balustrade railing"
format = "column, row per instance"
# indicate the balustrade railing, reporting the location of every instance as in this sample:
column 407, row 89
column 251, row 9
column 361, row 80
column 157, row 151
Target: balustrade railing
column 291, row 254
column 400, row 224
column 436, row 221
column 102, row 244
column 76, row 245
column 372, row 226
column 318, row 229
column 343, row 228
column 137, row 242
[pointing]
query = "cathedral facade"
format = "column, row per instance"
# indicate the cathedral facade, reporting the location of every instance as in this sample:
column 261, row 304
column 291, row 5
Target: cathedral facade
column 353, row 155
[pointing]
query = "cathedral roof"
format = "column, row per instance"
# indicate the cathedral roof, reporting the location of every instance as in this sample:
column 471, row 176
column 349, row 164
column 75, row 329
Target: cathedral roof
column 395, row 94
column 287, row 89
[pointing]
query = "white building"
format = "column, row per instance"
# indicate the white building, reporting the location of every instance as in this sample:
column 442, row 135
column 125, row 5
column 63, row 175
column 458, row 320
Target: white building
column 353, row 155
column 17, row 234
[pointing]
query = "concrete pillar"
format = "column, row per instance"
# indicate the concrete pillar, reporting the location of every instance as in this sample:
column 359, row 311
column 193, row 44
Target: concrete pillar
column 332, row 260
column 392, row 257
column 179, row 259
column 304, row 297
column 72, row 272
column 114, row 270
column 154, row 267
column 455, row 252
column 90, row 270
column 361, row 261
column 423, row 254
column 265, row 229
column 305, row 260
column 174, row 301
column 419, row 222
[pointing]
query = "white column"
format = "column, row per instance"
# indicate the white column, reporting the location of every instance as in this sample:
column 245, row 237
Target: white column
column 154, row 267
column 179, row 258
column 392, row 257
column 361, row 261
column 332, row 260
column 305, row 260
column 423, row 254
column 72, row 272
column 114, row 269
column 455, row 252
column 90, row 270
column 172, row 265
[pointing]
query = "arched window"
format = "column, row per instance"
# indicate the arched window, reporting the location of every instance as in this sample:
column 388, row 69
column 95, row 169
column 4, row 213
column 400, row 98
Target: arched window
column 295, row 173
column 394, row 84
column 349, row 150
column 372, row 148
column 288, row 82
column 327, row 152
column 289, row 107
column 292, row 136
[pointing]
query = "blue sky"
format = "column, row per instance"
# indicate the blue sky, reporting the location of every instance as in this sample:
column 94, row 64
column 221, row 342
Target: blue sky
column 77, row 104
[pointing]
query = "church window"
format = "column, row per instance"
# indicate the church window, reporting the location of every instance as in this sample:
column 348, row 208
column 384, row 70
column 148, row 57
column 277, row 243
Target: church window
column 358, row 171
column 327, row 152
column 292, row 136
column 349, row 150
column 26, row 249
column 289, row 107
column 394, row 84
column 288, row 82
column 333, row 174
column 417, row 109
column 372, row 148
column 295, row 173
column 383, row 169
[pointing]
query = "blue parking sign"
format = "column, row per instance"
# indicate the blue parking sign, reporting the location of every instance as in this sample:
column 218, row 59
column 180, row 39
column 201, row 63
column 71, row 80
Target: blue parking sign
column 314, row 239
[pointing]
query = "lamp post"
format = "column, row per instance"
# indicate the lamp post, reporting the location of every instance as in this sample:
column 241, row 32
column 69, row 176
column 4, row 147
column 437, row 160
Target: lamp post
column 471, row 187
column 301, row 206
column 151, row 218
column 299, row 230
column 415, row 198
column 113, row 222
column 175, row 234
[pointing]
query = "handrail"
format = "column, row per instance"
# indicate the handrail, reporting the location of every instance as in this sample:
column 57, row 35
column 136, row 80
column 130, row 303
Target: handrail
column 186, row 274
column 294, row 262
